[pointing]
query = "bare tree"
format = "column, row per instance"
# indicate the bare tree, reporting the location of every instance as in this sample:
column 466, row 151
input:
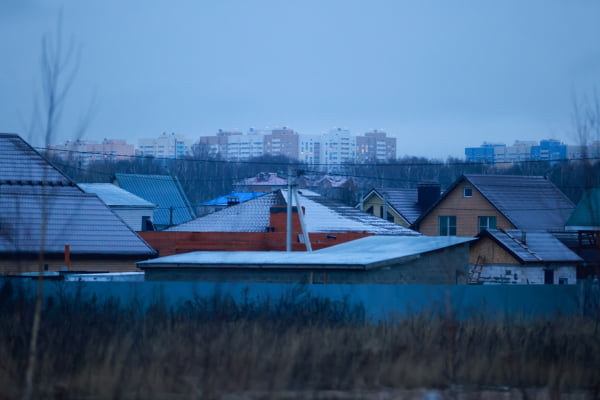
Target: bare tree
column 58, row 68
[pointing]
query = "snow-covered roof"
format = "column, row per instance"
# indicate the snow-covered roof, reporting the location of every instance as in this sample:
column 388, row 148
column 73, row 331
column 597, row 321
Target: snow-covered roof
column 366, row 253
column 321, row 215
column 325, row 215
column 114, row 196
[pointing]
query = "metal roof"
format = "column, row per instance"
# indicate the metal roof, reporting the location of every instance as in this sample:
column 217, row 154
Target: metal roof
column 532, row 247
column 71, row 217
column 528, row 202
column 586, row 215
column 115, row 196
column 366, row 253
column 34, row 194
column 162, row 190
column 321, row 215
column 403, row 201
column 22, row 164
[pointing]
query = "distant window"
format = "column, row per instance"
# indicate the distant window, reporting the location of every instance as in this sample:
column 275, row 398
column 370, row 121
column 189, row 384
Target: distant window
column 447, row 224
column 563, row 281
column 370, row 210
column 467, row 192
column 486, row 222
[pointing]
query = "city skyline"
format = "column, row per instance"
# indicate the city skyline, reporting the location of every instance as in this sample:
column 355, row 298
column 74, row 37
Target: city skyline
column 438, row 77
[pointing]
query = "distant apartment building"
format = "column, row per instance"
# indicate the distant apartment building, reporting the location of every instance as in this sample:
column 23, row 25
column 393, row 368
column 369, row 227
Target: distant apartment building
column 165, row 146
column 283, row 142
column 310, row 149
column 88, row 151
column 375, row 146
column 495, row 153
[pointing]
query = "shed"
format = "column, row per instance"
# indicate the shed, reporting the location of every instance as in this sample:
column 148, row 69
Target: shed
column 370, row 260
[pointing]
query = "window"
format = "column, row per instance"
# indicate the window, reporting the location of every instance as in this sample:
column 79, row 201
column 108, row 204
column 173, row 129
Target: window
column 467, row 192
column 486, row 222
column 447, row 224
column 563, row 281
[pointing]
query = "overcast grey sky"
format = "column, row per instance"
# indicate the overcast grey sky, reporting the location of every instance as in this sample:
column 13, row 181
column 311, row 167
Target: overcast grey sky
column 438, row 75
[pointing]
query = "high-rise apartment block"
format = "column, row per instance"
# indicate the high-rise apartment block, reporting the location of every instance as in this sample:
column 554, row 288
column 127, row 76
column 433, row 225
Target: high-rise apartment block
column 375, row 146
column 333, row 148
column 165, row 146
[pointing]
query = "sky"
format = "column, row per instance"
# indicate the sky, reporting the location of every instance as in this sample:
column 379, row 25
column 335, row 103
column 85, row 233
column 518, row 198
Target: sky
column 438, row 75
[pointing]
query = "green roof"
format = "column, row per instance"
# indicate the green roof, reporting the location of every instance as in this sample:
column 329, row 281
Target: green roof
column 587, row 212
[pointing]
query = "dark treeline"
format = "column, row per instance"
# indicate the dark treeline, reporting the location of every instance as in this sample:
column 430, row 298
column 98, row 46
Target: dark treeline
column 204, row 177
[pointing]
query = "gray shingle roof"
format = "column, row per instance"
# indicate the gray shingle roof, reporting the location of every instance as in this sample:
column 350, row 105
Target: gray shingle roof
column 532, row 247
column 20, row 163
column 321, row 215
column 113, row 195
column 162, row 190
column 33, row 191
column 403, row 201
column 528, row 202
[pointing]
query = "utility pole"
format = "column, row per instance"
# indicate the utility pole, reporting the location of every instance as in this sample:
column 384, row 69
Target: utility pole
column 288, row 236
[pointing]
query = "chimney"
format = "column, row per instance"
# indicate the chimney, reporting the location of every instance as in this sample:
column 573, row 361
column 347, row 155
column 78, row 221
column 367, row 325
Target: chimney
column 428, row 193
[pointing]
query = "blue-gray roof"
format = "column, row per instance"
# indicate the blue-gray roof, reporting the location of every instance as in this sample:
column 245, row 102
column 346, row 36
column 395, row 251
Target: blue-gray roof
column 71, row 217
column 528, row 202
column 115, row 196
column 366, row 253
column 532, row 247
column 34, row 194
column 173, row 207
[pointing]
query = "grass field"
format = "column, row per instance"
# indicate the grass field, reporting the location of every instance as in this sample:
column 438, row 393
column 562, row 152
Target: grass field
column 290, row 348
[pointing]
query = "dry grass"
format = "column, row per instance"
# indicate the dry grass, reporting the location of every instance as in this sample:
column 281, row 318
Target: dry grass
column 298, row 347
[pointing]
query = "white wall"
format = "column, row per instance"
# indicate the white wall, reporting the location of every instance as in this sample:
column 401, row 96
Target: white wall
column 517, row 274
column 133, row 216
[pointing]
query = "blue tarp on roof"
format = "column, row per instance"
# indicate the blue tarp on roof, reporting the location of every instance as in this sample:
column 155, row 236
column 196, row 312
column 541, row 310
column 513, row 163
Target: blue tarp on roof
column 224, row 200
column 162, row 190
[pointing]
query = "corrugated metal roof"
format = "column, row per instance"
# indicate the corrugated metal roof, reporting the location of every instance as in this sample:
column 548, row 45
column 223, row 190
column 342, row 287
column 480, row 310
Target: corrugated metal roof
column 528, row 202
column 241, row 197
column 72, row 218
column 33, row 191
column 533, row 247
column 113, row 195
column 321, row 215
column 162, row 190
column 587, row 213
column 366, row 253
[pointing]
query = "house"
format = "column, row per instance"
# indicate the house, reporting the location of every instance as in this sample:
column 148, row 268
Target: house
column 133, row 210
column 260, row 225
column 474, row 203
column 401, row 206
column 45, row 218
column 173, row 206
column 519, row 257
column 225, row 201
column 263, row 182
column 370, row 260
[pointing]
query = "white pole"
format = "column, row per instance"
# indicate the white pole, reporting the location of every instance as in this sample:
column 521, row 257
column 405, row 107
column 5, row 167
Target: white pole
column 288, row 236
column 301, row 215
